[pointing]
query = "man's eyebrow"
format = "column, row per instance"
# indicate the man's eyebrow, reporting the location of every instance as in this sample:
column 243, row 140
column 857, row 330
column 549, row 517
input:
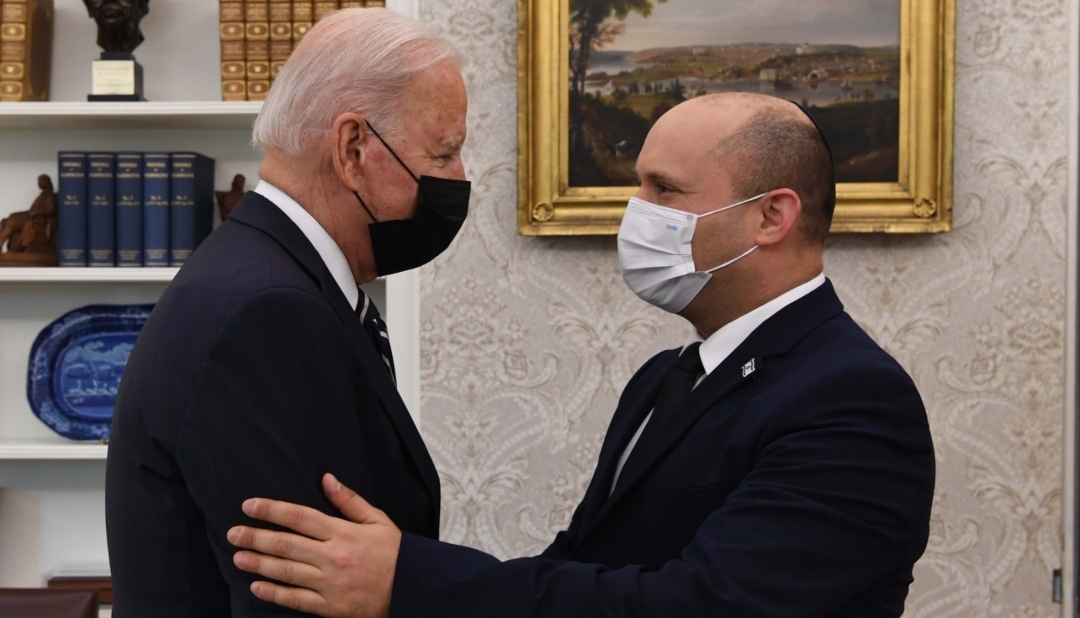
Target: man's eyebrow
column 661, row 178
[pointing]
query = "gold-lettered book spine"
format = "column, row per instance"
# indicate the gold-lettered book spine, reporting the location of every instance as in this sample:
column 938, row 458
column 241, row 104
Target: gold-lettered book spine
column 26, row 32
column 323, row 8
column 280, row 36
column 375, row 3
column 233, row 69
column 257, row 48
column 303, row 16
column 352, row 4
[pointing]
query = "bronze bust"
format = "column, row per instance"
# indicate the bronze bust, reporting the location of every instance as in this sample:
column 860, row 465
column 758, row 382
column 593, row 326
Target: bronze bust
column 118, row 23
column 31, row 234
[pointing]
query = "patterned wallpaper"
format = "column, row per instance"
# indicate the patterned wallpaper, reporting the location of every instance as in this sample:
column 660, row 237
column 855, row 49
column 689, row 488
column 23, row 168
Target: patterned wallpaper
column 526, row 343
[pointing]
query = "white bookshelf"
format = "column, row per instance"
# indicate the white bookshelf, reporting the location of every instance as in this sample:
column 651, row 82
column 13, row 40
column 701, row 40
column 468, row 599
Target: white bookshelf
column 50, row 449
column 86, row 275
column 52, row 489
column 152, row 115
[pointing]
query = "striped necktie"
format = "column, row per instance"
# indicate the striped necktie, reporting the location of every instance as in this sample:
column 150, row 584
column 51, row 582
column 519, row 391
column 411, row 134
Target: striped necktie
column 376, row 329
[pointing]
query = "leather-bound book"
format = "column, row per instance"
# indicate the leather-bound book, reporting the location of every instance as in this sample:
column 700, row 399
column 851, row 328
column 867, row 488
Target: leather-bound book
column 101, row 211
column 324, row 8
column 191, row 203
column 373, row 3
column 303, row 16
column 129, row 209
column 156, row 196
column 26, row 32
column 257, row 48
column 352, row 4
column 71, row 235
column 233, row 69
column 280, row 35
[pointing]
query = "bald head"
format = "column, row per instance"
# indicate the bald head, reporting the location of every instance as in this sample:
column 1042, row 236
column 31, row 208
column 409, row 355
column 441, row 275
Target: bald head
column 765, row 144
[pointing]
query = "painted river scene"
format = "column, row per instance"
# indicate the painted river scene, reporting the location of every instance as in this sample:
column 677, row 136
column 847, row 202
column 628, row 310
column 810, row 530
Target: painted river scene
column 632, row 60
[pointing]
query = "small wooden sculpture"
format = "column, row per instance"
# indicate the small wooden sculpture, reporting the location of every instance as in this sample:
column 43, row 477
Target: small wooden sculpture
column 227, row 200
column 30, row 235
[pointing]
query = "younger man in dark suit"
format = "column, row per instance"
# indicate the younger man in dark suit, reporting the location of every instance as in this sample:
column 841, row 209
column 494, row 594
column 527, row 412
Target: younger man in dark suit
column 778, row 464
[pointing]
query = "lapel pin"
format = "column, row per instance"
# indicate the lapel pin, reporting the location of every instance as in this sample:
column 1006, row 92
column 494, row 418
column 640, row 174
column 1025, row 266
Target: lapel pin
column 749, row 367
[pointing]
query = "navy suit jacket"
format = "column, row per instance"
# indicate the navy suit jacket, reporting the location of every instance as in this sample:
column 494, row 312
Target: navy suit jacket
column 796, row 480
column 252, row 377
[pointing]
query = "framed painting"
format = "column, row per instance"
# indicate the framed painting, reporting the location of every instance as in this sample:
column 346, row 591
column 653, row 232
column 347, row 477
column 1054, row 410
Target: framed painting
column 877, row 75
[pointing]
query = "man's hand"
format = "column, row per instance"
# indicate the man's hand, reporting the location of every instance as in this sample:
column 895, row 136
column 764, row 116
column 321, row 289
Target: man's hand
column 339, row 569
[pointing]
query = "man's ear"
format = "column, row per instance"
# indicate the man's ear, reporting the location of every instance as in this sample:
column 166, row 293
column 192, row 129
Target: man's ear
column 781, row 211
column 349, row 143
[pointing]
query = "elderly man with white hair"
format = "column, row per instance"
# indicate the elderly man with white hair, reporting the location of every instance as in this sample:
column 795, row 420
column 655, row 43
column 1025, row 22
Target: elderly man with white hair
column 264, row 365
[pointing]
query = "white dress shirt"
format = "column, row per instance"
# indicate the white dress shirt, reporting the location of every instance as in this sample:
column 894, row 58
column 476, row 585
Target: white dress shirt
column 722, row 343
column 327, row 249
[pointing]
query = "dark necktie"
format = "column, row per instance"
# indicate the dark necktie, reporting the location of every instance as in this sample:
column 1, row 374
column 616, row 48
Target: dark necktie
column 678, row 383
column 376, row 329
column 679, row 380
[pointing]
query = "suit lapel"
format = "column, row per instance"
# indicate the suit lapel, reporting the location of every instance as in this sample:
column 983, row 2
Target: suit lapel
column 746, row 363
column 653, row 447
column 260, row 213
column 633, row 407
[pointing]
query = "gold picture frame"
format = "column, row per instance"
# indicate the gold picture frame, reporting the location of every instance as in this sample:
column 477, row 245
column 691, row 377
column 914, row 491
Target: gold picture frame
column 921, row 202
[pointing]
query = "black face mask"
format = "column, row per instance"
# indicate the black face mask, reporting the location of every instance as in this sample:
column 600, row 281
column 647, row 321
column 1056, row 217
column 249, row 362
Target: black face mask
column 441, row 207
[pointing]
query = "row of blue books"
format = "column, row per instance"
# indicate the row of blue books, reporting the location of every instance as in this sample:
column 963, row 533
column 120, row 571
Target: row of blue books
column 133, row 208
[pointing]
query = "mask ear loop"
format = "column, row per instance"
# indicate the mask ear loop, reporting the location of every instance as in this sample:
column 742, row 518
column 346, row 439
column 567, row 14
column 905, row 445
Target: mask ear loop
column 730, row 262
column 376, row 134
column 391, row 150
column 747, row 201
column 365, row 207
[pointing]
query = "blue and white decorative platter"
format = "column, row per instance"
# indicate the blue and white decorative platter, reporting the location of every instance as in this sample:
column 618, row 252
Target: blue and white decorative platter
column 75, row 368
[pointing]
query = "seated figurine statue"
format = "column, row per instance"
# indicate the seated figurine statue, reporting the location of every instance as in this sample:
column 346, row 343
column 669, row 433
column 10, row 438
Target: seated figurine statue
column 30, row 235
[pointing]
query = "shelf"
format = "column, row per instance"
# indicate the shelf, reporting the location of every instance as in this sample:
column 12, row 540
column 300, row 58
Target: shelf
column 50, row 449
column 75, row 275
column 165, row 115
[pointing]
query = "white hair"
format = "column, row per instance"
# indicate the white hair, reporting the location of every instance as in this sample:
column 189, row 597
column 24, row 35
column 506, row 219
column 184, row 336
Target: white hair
column 354, row 60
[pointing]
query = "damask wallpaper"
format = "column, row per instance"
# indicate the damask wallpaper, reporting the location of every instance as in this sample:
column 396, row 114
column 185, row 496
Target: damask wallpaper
column 526, row 343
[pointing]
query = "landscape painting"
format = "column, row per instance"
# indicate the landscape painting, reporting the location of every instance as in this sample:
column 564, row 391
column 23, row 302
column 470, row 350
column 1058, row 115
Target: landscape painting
column 632, row 60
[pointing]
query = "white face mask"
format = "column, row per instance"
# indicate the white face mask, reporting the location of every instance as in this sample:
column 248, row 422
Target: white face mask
column 656, row 257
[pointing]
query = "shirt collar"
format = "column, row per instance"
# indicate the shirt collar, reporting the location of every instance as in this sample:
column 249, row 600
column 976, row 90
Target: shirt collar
column 723, row 342
column 327, row 249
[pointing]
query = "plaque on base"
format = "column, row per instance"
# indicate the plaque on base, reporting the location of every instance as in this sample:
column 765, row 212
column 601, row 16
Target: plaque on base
column 117, row 76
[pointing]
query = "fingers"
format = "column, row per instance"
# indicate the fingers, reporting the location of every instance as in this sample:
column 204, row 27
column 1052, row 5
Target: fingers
column 306, row 521
column 288, row 571
column 280, row 544
column 351, row 505
column 299, row 599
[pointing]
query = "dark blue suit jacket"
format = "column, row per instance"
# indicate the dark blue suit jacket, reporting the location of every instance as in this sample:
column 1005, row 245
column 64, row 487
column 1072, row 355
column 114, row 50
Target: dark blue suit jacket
column 252, row 377
column 798, row 485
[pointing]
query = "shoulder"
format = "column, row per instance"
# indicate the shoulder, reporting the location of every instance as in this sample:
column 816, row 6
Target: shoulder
column 655, row 366
column 843, row 348
column 838, row 372
column 235, row 265
column 239, row 278
column 649, row 374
